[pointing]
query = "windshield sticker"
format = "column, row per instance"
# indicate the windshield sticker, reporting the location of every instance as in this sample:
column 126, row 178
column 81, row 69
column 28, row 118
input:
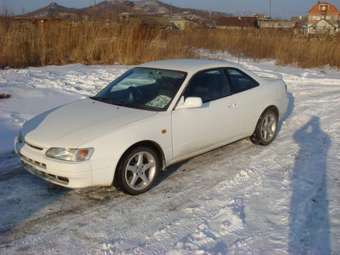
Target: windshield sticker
column 160, row 101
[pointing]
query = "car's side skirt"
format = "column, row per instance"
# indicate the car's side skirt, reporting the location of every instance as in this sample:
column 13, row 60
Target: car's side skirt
column 204, row 150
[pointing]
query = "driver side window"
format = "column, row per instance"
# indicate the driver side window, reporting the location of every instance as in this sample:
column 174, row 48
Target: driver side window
column 208, row 85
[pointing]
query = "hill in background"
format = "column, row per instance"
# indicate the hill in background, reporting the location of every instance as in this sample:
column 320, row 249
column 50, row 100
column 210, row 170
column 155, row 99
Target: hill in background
column 116, row 9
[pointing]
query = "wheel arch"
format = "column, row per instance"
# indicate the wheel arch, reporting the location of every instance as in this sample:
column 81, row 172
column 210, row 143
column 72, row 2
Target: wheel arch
column 274, row 108
column 146, row 143
column 270, row 107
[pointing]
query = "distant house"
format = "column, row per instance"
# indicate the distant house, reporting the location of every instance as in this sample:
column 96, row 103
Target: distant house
column 36, row 20
column 179, row 23
column 276, row 24
column 224, row 22
column 125, row 16
column 323, row 17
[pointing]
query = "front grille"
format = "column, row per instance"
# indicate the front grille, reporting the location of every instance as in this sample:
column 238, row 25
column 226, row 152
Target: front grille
column 46, row 176
column 34, row 146
column 33, row 162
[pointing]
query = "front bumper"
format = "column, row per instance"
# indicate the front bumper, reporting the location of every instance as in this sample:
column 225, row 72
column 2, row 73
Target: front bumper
column 67, row 174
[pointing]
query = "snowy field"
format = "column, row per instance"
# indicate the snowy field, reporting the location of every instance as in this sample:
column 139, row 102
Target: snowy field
column 240, row 199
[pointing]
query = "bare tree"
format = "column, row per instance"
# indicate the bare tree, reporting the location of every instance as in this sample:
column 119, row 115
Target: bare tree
column 4, row 11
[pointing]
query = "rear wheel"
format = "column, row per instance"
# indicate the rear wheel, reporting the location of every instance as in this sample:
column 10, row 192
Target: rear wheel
column 266, row 129
column 138, row 170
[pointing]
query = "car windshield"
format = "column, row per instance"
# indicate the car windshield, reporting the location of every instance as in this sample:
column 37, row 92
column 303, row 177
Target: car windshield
column 143, row 88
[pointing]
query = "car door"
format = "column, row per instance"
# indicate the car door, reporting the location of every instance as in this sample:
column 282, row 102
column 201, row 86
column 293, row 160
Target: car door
column 197, row 129
column 246, row 93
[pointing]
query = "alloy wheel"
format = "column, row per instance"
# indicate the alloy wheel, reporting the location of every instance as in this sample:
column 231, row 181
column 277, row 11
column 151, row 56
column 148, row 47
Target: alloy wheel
column 140, row 170
column 268, row 127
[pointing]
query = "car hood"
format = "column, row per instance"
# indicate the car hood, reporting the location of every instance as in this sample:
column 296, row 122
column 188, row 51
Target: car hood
column 79, row 122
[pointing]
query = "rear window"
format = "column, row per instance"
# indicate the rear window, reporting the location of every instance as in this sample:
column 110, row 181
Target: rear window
column 239, row 81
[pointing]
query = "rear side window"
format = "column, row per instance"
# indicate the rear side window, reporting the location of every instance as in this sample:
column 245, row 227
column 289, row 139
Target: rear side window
column 239, row 81
column 209, row 85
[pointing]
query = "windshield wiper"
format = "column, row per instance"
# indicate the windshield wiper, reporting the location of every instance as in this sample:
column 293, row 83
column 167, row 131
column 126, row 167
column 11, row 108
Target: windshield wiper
column 103, row 99
column 109, row 101
column 99, row 98
column 143, row 107
column 124, row 104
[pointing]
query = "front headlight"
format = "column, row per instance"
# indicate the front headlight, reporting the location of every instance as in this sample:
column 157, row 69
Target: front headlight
column 74, row 155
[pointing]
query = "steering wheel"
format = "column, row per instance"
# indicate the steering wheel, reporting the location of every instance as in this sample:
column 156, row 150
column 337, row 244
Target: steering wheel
column 136, row 93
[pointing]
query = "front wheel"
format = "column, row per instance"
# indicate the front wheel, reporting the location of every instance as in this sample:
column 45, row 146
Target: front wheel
column 138, row 170
column 266, row 129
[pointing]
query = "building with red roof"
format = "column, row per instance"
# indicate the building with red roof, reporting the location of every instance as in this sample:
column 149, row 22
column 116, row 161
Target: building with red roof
column 323, row 17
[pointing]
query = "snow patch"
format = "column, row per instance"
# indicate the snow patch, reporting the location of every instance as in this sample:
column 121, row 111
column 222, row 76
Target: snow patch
column 239, row 199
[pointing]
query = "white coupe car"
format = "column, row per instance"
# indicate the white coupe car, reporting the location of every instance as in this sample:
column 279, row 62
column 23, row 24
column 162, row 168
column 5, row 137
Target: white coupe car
column 154, row 115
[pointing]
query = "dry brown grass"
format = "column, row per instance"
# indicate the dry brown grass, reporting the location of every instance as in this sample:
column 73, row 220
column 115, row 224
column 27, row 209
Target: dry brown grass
column 34, row 44
column 25, row 43
column 283, row 46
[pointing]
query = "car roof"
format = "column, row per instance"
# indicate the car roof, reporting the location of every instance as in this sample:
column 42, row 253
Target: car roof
column 188, row 65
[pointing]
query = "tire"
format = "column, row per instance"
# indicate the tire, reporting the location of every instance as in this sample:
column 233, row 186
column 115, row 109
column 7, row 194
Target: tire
column 266, row 128
column 138, row 170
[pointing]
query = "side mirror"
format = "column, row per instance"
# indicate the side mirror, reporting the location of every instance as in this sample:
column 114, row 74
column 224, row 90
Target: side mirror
column 191, row 102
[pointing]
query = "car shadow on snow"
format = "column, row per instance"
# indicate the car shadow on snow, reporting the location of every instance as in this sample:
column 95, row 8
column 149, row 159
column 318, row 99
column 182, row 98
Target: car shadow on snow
column 22, row 197
column 169, row 171
column 290, row 109
column 309, row 227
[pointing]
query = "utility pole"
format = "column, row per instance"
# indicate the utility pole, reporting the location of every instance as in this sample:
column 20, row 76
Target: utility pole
column 270, row 8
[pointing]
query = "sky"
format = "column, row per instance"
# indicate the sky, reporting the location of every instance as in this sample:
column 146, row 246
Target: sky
column 280, row 8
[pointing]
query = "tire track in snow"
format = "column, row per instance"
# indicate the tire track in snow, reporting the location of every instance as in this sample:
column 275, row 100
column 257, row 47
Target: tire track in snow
column 114, row 199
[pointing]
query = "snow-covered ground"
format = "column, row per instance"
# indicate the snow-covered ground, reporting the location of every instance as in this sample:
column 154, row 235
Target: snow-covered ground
column 240, row 199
